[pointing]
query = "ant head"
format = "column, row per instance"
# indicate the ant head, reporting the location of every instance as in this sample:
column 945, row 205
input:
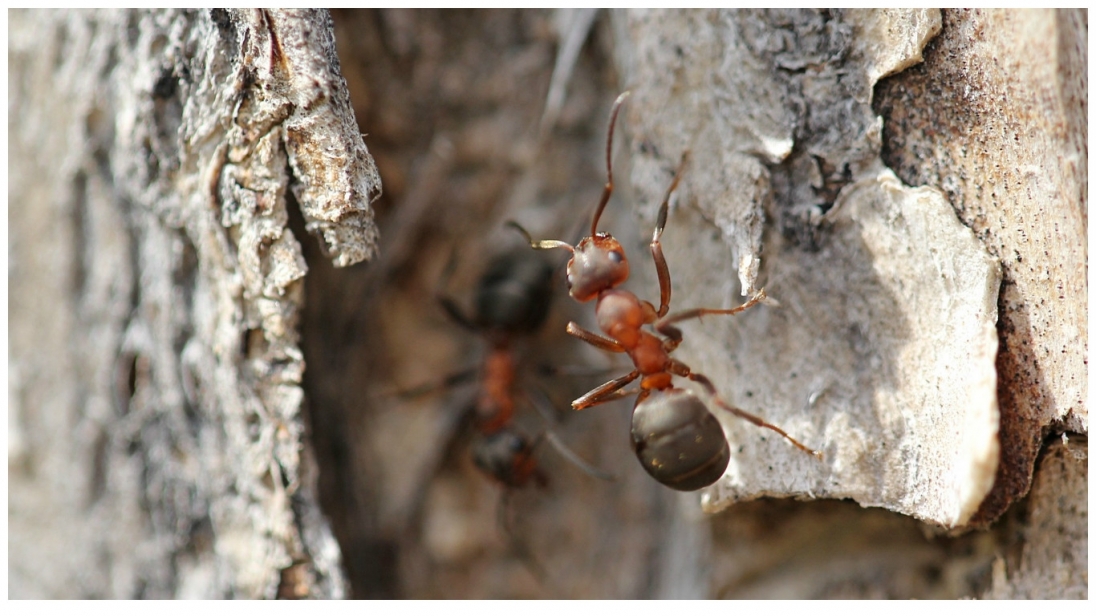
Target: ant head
column 515, row 293
column 598, row 264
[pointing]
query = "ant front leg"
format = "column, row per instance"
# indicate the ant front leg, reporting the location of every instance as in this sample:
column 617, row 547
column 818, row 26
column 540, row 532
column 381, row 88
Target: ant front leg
column 453, row 311
column 612, row 389
column 448, row 304
column 589, row 337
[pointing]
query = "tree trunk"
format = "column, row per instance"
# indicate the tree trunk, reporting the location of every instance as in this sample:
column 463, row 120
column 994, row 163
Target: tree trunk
column 189, row 198
column 157, row 441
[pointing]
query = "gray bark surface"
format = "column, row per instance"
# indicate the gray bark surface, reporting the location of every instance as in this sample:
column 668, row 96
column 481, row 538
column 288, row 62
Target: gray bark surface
column 909, row 186
column 881, row 352
column 155, row 388
column 1006, row 139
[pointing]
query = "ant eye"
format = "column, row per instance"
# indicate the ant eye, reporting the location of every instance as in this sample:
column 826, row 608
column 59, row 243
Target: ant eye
column 615, row 256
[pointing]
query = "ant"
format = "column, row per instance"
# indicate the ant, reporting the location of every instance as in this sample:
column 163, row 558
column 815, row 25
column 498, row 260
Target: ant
column 677, row 440
column 512, row 300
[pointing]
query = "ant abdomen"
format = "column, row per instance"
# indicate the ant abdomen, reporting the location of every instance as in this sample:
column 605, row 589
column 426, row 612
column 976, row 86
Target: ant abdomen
column 678, row 441
column 507, row 456
column 514, row 294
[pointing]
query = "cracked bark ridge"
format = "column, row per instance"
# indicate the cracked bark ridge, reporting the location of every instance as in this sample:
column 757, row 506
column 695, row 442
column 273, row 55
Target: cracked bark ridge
column 882, row 351
column 1005, row 137
column 158, row 397
column 290, row 56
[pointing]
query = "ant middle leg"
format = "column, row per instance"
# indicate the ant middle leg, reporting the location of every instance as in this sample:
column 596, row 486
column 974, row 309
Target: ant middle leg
column 665, row 326
column 447, row 303
column 613, row 390
column 681, row 369
column 449, row 381
column 541, row 402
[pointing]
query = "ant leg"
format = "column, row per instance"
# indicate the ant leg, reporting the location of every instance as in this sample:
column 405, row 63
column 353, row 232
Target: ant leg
column 589, row 337
column 576, row 459
column 681, row 369
column 656, row 244
column 452, row 310
column 540, row 403
column 605, row 392
column 456, row 314
column 464, row 376
column 616, row 395
column 608, row 191
column 664, row 327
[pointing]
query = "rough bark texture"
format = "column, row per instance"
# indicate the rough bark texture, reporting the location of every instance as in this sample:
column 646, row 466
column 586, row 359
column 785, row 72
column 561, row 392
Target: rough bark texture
column 1006, row 138
column 881, row 355
column 155, row 373
column 910, row 216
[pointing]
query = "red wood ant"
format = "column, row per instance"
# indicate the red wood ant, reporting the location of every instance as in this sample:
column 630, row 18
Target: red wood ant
column 676, row 438
column 512, row 300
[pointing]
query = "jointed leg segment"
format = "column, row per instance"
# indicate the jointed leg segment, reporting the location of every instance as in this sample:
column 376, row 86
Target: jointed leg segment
column 681, row 369
column 612, row 390
column 589, row 337
column 664, row 325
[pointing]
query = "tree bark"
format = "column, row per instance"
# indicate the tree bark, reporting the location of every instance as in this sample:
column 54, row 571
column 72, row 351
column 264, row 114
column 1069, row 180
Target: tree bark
column 909, row 186
column 158, row 443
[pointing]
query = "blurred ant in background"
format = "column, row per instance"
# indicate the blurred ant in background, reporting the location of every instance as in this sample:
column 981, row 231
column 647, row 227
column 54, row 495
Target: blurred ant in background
column 512, row 301
column 677, row 440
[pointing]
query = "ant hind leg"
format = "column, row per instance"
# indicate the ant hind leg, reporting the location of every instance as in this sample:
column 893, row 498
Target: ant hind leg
column 681, row 369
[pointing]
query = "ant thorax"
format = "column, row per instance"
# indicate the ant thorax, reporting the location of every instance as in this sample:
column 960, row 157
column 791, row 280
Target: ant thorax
column 598, row 264
column 622, row 315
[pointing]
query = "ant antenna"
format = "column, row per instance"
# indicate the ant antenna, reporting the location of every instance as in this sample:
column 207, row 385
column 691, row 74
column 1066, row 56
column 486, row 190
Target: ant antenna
column 605, row 194
column 664, row 209
column 540, row 244
column 608, row 191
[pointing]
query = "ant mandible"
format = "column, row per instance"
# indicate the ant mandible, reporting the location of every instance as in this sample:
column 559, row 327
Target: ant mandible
column 677, row 440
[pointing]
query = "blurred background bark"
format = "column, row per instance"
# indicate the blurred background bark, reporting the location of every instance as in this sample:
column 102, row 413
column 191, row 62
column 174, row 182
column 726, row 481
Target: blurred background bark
column 207, row 396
